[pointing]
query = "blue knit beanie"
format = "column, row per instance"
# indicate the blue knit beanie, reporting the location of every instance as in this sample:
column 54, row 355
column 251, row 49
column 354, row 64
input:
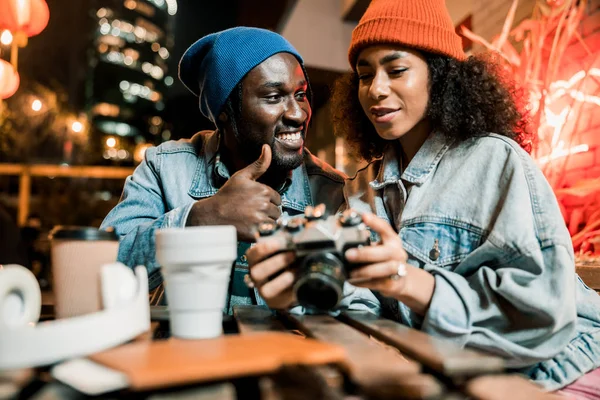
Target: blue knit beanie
column 215, row 64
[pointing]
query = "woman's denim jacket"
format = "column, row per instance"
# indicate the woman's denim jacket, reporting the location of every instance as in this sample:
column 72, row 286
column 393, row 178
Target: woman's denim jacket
column 163, row 188
column 481, row 217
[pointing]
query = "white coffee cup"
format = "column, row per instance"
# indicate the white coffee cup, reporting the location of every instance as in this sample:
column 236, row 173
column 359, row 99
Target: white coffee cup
column 78, row 253
column 196, row 265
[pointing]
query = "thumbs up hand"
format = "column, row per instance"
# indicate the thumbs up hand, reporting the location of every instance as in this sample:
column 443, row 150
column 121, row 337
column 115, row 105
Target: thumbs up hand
column 242, row 201
column 256, row 169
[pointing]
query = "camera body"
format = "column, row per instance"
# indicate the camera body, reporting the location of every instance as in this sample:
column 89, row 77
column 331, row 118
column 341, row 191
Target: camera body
column 319, row 243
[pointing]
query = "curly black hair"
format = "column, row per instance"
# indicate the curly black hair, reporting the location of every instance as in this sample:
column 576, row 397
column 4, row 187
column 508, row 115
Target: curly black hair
column 466, row 99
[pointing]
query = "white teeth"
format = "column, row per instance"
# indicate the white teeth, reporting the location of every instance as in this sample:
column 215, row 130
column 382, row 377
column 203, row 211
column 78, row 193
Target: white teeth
column 290, row 136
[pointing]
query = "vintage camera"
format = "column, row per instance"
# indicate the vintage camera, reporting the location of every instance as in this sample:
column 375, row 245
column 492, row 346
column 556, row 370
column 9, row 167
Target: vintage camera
column 320, row 243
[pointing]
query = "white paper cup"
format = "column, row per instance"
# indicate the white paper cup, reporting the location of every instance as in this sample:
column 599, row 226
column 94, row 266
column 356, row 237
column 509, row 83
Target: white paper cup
column 196, row 265
column 77, row 255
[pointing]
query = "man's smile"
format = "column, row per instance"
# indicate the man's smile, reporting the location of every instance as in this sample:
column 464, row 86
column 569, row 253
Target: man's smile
column 291, row 140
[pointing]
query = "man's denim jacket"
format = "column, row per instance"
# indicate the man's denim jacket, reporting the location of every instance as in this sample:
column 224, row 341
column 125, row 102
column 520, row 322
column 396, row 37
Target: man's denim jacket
column 481, row 217
column 163, row 188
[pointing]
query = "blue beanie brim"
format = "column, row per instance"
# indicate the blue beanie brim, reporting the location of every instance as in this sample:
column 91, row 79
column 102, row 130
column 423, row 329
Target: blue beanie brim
column 215, row 64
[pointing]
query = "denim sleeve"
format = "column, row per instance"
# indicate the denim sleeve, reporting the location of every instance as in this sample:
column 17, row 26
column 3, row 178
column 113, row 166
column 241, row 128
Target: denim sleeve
column 140, row 212
column 523, row 310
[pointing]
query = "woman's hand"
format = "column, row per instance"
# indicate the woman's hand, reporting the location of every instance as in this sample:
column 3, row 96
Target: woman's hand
column 384, row 260
column 268, row 272
column 386, row 270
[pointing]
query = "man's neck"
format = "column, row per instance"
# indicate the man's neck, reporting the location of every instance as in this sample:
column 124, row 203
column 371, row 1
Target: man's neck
column 275, row 178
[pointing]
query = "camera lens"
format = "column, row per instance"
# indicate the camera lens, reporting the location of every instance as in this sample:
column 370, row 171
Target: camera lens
column 321, row 282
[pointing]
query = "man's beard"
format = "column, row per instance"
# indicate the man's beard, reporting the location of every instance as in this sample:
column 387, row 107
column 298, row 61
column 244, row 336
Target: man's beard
column 252, row 150
column 251, row 146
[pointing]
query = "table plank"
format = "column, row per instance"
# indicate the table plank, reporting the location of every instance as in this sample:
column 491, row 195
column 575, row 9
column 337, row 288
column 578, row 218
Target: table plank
column 256, row 319
column 219, row 391
column 590, row 274
column 437, row 354
column 378, row 370
column 252, row 319
column 300, row 382
column 360, row 348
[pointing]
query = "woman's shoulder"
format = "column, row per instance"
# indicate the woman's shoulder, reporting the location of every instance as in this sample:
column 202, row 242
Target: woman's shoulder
column 492, row 142
column 497, row 153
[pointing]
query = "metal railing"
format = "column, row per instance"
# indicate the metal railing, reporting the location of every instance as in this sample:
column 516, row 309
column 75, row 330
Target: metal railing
column 25, row 172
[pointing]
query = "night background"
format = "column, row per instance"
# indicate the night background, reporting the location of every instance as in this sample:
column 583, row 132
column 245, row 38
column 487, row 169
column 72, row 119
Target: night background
column 98, row 86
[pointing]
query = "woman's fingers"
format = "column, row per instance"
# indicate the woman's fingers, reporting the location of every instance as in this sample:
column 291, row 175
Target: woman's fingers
column 263, row 270
column 277, row 286
column 264, row 249
column 377, row 253
column 379, row 270
column 381, row 226
column 386, row 286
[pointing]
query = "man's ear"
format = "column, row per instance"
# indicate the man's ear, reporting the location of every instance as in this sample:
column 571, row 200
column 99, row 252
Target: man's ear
column 223, row 117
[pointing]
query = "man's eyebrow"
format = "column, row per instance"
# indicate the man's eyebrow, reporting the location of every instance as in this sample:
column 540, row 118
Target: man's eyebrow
column 278, row 85
column 386, row 59
column 272, row 85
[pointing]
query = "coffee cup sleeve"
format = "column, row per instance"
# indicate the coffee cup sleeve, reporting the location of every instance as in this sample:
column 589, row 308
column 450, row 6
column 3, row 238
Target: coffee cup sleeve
column 20, row 297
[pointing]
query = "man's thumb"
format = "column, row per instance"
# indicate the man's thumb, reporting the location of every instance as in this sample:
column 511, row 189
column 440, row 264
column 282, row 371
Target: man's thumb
column 258, row 167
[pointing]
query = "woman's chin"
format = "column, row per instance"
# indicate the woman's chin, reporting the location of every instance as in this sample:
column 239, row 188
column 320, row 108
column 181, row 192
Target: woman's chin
column 390, row 134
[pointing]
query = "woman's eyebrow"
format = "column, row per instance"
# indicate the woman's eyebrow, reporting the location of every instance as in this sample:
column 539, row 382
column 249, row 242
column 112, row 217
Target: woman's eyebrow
column 385, row 59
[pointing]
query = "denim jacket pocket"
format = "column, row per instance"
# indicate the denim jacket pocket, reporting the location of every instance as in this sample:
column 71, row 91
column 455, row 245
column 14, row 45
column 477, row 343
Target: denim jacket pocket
column 438, row 241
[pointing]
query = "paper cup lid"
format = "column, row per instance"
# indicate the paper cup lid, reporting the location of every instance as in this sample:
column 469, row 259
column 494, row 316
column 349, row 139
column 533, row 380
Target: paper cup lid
column 196, row 236
column 82, row 233
column 196, row 245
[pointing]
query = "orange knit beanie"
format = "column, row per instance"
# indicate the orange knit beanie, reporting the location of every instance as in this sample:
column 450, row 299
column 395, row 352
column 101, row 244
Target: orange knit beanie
column 423, row 24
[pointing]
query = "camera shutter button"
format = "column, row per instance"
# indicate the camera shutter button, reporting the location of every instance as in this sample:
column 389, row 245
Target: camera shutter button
column 350, row 218
column 317, row 212
column 295, row 224
column 266, row 228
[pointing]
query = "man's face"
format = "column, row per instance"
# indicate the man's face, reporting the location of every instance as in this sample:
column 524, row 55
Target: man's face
column 275, row 111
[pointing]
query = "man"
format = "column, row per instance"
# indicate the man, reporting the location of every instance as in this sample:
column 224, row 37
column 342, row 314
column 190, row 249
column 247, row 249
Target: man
column 253, row 168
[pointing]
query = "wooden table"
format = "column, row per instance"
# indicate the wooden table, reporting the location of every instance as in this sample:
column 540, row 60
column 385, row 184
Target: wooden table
column 590, row 275
column 385, row 360
column 389, row 360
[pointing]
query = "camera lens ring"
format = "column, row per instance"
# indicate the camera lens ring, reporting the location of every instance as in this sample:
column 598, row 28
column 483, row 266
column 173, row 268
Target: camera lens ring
column 321, row 282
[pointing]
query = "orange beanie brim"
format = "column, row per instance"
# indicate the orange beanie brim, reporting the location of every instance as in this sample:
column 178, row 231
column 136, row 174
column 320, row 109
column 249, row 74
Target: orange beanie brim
column 421, row 24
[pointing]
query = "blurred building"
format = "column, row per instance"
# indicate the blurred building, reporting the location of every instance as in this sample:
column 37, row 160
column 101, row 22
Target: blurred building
column 129, row 76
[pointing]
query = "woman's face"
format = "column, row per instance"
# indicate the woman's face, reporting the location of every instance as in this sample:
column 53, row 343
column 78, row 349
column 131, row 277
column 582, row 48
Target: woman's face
column 393, row 90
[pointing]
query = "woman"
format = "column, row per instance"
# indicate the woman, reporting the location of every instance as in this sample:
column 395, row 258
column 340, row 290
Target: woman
column 473, row 246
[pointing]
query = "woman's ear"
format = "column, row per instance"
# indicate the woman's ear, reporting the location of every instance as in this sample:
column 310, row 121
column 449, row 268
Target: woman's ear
column 223, row 117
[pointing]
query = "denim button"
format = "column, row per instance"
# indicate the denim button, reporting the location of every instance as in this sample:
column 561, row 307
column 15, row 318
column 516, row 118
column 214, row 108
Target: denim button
column 434, row 253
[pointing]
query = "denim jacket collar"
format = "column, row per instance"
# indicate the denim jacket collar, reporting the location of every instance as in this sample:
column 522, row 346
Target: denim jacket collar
column 210, row 174
column 420, row 167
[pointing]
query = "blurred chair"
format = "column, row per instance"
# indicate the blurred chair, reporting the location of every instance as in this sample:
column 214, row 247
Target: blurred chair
column 156, row 296
column 12, row 248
